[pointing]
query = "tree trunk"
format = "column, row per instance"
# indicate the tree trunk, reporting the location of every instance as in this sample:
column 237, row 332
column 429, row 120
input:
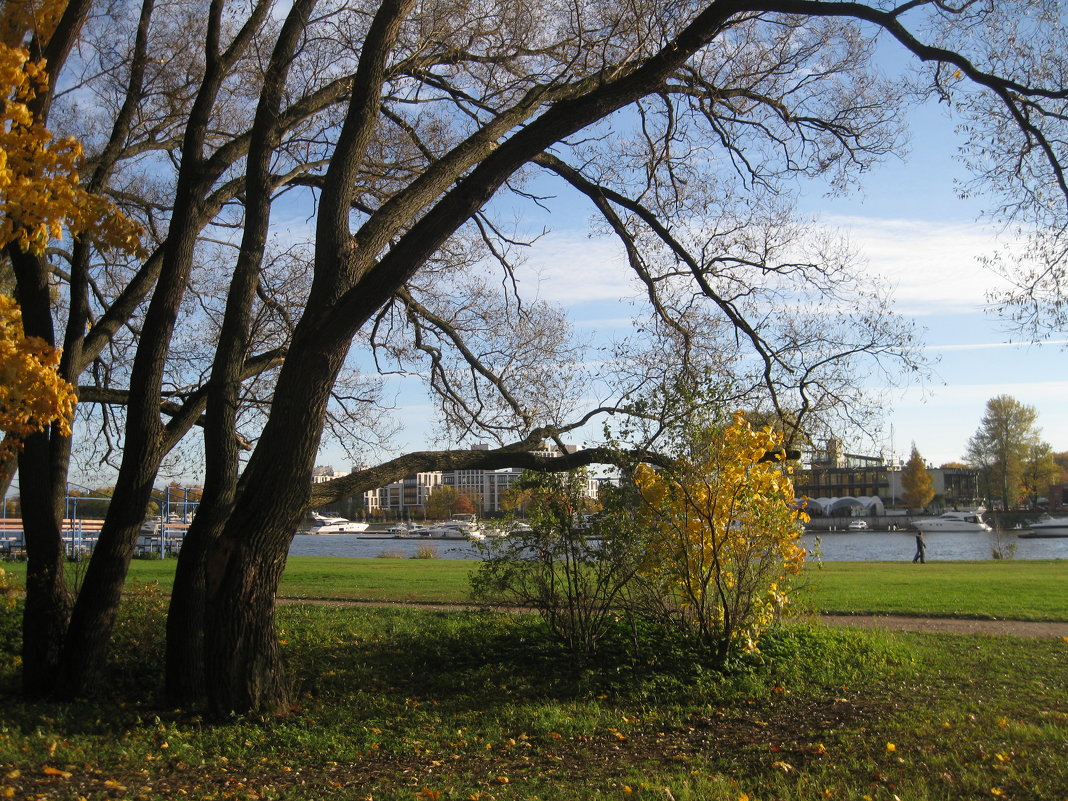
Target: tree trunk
column 244, row 667
column 48, row 601
column 186, row 614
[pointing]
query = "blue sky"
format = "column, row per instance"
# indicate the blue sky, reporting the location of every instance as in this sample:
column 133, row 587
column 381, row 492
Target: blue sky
column 916, row 231
column 913, row 230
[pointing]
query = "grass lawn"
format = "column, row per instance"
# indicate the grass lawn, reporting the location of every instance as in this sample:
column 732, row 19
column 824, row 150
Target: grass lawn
column 1012, row 589
column 1009, row 590
column 409, row 704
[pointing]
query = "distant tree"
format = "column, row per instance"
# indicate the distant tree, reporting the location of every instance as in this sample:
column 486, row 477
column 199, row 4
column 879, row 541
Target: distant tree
column 464, row 505
column 515, row 499
column 916, row 487
column 953, row 465
column 1039, row 471
column 1061, row 460
column 441, row 501
column 1001, row 446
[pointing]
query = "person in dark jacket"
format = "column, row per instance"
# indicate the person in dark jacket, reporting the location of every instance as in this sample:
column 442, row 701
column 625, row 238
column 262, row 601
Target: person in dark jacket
column 921, row 549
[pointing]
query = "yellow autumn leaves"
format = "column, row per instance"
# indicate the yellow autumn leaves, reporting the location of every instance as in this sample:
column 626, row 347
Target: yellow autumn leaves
column 40, row 196
column 32, row 395
column 40, row 191
column 725, row 533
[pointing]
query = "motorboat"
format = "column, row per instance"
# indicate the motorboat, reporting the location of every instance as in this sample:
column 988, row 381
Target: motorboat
column 1050, row 527
column 453, row 530
column 321, row 524
column 858, row 525
column 952, row 521
column 402, row 530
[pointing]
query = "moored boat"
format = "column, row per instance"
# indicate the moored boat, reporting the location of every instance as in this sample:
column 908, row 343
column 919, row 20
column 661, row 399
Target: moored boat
column 1052, row 527
column 320, row 524
column 952, row 521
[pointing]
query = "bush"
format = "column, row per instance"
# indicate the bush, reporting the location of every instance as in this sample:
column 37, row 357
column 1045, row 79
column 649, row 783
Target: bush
column 723, row 536
column 573, row 574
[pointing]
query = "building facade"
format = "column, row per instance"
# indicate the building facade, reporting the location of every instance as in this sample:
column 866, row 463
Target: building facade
column 833, row 473
column 486, row 488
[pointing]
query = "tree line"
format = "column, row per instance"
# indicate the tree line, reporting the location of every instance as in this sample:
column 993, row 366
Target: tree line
column 1016, row 466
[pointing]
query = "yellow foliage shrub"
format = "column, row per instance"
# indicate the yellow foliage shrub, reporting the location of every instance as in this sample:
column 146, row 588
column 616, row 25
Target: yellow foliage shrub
column 40, row 191
column 725, row 534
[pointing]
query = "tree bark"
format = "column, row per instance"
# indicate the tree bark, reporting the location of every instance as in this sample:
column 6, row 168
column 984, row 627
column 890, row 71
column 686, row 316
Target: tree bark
column 48, row 602
column 185, row 668
column 146, row 443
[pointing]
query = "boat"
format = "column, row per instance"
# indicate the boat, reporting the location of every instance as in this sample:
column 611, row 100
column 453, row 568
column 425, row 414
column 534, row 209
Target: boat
column 858, row 525
column 453, row 530
column 1051, row 527
column 952, row 521
column 403, row 530
column 333, row 525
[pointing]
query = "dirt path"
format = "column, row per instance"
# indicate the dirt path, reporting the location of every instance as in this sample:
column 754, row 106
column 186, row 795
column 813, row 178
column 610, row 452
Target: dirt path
column 945, row 625
column 950, row 625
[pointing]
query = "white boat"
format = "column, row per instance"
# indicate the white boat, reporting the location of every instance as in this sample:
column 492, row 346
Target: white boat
column 453, row 530
column 402, row 530
column 333, row 525
column 858, row 525
column 1051, row 527
column 952, row 521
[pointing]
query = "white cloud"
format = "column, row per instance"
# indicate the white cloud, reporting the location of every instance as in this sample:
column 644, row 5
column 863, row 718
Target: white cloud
column 933, row 267
column 567, row 267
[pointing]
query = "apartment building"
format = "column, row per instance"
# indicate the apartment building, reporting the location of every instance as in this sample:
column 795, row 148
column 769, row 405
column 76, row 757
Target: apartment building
column 485, row 488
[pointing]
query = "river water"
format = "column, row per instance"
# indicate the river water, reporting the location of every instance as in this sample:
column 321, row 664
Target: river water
column 883, row 546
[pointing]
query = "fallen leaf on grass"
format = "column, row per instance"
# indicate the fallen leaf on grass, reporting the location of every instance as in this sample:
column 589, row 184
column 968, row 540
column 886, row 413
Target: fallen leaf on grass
column 48, row 770
column 785, row 767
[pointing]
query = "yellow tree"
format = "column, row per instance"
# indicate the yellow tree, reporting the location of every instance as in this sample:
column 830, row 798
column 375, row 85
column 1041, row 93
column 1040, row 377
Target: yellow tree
column 40, row 190
column 41, row 200
column 40, row 196
column 725, row 535
column 916, row 488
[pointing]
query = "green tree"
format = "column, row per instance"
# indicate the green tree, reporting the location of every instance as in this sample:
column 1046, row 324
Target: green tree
column 1001, row 445
column 916, row 487
column 441, row 501
column 1040, row 470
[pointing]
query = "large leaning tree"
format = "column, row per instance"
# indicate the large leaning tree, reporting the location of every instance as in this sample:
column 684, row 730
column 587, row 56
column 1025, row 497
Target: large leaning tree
column 332, row 183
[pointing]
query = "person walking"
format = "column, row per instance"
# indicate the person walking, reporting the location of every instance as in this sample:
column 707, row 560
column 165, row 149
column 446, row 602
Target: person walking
column 921, row 549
